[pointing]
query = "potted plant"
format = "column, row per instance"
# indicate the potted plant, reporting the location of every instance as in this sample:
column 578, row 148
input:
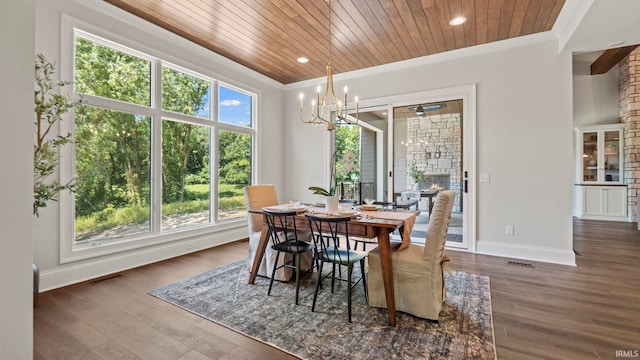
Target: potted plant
column 331, row 200
column 347, row 169
column 416, row 175
column 50, row 105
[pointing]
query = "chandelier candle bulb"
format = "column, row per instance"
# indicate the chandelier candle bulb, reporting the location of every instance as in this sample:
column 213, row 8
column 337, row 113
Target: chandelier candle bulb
column 345, row 100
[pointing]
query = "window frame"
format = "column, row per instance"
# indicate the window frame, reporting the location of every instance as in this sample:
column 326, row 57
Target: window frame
column 69, row 250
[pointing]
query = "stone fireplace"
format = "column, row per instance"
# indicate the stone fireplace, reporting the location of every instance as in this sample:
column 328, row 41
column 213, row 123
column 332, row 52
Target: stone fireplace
column 439, row 181
column 435, row 146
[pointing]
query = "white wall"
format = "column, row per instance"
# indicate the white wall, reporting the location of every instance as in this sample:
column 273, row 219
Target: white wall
column 596, row 100
column 524, row 137
column 595, row 97
column 16, row 191
column 182, row 52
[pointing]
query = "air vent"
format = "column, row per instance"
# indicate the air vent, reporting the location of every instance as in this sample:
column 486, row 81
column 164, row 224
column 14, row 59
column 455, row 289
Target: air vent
column 105, row 278
column 518, row 263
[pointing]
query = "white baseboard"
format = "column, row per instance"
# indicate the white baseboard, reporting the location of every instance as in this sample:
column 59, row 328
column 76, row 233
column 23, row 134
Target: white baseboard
column 87, row 270
column 605, row 218
column 555, row 256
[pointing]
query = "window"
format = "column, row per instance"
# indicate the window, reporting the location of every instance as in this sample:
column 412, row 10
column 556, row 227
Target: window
column 234, row 149
column 112, row 173
column 145, row 167
column 185, row 94
column 185, row 175
column 234, row 172
column 235, row 107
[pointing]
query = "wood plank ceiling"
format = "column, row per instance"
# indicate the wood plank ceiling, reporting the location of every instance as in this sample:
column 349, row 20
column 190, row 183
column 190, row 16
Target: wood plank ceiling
column 269, row 35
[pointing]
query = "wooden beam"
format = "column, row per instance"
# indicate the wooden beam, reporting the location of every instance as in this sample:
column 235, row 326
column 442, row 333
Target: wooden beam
column 610, row 58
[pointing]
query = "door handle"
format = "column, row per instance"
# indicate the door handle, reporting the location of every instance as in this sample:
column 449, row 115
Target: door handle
column 466, row 182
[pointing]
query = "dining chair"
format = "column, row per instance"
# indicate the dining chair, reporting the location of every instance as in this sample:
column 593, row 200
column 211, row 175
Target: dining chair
column 333, row 227
column 418, row 271
column 347, row 202
column 343, row 204
column 385, row 205
column 258, row 197
column 283, row 233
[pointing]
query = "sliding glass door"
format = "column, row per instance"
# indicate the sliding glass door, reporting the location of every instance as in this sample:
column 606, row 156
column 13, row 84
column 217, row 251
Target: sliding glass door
column 424, row 144
column 428, row 158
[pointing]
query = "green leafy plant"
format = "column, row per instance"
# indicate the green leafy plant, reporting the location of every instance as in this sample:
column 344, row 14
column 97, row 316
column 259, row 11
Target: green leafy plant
column 50, row 105
column 415, row 173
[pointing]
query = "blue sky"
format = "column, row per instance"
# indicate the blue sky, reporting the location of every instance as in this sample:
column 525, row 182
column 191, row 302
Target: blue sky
column 234, row 107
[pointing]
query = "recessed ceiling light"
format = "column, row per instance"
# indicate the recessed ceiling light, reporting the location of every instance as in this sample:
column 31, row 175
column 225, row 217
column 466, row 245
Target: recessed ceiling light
column 303, row 60
column 458, row 20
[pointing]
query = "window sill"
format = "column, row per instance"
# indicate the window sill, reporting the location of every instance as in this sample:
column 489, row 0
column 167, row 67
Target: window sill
column 94, row 249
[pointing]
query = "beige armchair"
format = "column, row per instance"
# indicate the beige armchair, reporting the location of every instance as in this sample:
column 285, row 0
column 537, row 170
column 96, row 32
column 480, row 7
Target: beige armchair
column 257, row 197
column 418, row 277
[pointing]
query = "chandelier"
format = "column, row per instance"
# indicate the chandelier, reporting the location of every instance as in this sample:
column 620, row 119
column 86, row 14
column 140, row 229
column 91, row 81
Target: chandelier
column 322, row 108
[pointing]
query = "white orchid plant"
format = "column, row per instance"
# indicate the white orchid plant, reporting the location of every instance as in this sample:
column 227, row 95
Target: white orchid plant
column 347, row 166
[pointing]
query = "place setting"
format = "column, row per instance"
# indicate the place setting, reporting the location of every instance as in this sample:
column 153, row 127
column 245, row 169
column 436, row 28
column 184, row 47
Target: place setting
column 346, row 212
column 369, row 205
column 295, row 205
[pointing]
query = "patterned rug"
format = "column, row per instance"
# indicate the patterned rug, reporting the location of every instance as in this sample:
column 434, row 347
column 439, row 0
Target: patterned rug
column 464, row 331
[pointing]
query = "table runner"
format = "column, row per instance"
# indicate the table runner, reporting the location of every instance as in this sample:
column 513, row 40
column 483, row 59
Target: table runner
column 408, row 218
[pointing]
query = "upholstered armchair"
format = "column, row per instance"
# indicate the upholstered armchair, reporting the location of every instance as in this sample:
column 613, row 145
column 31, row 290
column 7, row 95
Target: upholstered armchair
column 418, row 277
column 257, row 197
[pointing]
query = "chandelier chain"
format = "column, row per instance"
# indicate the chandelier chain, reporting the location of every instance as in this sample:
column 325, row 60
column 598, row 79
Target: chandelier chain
column 329, row 110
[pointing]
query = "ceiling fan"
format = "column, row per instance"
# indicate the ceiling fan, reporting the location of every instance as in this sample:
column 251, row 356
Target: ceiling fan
column 421, row 109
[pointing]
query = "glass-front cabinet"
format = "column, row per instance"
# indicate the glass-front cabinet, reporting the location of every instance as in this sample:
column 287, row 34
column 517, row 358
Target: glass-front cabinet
column 600, row 192
column 601, row 156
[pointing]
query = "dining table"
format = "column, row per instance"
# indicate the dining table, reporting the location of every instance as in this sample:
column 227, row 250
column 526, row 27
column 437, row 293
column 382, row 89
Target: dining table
column 371, row 224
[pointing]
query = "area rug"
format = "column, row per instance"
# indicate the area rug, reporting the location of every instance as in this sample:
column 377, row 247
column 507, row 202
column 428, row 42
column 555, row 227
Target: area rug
column 464, row 330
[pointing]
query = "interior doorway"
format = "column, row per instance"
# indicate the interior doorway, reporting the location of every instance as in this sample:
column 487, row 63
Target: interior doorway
column 368, row 140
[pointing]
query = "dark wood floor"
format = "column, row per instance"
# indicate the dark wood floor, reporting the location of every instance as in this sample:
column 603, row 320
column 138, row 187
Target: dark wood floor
column 540, row 312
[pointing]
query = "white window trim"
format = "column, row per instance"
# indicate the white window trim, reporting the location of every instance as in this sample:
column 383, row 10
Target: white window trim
column 69, row 251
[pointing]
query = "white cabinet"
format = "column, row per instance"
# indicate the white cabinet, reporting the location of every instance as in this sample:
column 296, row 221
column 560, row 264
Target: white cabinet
column 599, row 154
column 600, row 192
column 602, row 202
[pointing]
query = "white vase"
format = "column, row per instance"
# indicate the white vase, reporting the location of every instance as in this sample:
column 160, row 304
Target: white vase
column 331, row 203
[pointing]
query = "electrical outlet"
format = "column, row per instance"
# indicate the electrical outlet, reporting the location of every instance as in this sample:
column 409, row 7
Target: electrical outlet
column 509, row 230
column 484, row 178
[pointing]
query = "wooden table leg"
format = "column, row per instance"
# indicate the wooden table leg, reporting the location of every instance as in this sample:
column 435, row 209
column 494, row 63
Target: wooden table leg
column 262, row 245
column 384, row 246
